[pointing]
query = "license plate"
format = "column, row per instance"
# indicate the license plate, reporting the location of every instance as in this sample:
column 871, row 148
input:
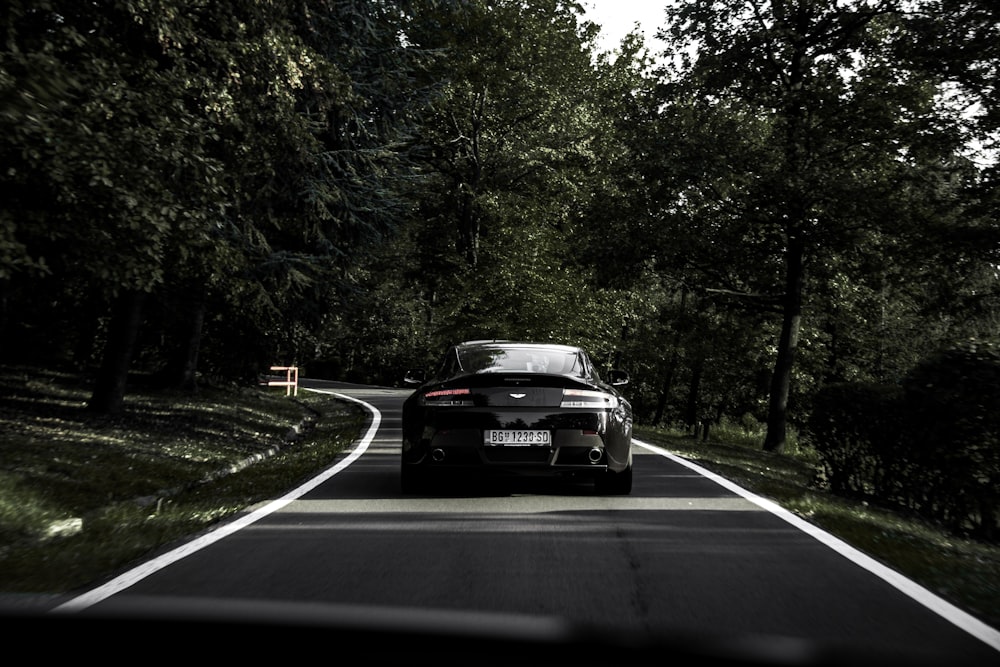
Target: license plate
column 518, row 438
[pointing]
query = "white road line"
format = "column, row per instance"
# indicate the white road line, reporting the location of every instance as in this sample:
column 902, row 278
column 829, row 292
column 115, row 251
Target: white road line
column 137, row 574
column 938, row 605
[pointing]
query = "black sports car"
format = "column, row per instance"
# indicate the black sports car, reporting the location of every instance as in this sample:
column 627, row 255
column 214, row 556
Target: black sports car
column 518, row 408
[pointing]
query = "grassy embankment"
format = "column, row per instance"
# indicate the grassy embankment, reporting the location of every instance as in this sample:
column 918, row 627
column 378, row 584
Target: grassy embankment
column 82, row 496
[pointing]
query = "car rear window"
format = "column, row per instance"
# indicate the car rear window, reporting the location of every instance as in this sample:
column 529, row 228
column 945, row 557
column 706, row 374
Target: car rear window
column 520, row 359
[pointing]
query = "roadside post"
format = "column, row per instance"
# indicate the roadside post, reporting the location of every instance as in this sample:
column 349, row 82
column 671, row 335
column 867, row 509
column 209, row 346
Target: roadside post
column 291, row 381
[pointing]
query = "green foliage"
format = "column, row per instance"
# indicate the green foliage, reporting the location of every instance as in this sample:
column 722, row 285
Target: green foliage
column 350, row 185
column 507, row 147
column 509, row 133
column 931, row 445
column 953, row 399
column 857, row 429
column 251, row 151
column 832, row 156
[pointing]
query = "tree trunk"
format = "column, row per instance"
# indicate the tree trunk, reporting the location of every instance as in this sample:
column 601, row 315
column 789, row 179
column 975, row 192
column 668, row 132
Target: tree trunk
column 468, row 229
column 468, row 186
column 668, row 381
column 109, row 389
column 781, row 378
column 3, row 314
column 794, row 201
column 183, row 368
column 88, row 330
column 694, row 390
column 671, row 368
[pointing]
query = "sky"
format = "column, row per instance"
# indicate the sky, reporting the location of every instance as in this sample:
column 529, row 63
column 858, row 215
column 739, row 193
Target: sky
column 617, row 17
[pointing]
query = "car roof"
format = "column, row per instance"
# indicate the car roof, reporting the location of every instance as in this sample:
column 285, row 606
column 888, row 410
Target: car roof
column 512, row 343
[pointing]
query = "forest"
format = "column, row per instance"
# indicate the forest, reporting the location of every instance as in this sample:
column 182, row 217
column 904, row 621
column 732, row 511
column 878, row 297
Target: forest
column 795, row 197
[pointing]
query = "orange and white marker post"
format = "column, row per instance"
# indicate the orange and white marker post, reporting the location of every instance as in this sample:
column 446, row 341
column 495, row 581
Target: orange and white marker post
column 290, row 382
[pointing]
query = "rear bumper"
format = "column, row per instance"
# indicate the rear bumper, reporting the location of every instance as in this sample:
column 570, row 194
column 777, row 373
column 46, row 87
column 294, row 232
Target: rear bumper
column 571, row 453
column 582, row 441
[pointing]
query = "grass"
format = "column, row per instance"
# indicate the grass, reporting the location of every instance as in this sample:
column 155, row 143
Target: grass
column 83, row 496
column 962, row 571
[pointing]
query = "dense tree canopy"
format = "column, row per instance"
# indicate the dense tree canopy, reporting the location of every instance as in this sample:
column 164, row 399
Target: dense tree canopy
column 794, row 195
column 834, row 156
column 229, row 160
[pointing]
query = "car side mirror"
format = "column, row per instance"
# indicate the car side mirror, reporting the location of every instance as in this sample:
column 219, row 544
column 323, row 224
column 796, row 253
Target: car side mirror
column 617, row 378
column 414, row 376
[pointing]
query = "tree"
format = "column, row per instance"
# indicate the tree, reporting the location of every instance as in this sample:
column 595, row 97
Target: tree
column 237, row 153
column 508, row 144
column 833, row 119
column 95, row 197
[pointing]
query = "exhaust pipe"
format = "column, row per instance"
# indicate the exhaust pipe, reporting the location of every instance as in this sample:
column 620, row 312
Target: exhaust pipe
column 595, row 454
column 437, row 454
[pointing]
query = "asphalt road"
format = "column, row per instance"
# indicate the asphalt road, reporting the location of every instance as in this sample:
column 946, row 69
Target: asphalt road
column 683, row 555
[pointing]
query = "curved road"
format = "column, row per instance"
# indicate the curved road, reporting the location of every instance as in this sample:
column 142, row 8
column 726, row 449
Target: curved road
column 685, row 553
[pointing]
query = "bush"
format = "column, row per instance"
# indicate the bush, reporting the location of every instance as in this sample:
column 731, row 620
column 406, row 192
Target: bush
column 856, row 431
column 953, row 400
column 931, row 445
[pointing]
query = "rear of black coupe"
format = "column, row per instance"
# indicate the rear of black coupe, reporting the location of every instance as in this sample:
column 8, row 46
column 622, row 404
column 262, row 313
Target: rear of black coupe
column 502, row 408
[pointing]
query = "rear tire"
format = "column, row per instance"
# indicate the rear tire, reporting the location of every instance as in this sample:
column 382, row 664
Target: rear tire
column 614, row 483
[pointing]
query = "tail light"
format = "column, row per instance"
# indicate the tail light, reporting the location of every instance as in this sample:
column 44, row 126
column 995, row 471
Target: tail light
column 447, row 397
column 586, row 398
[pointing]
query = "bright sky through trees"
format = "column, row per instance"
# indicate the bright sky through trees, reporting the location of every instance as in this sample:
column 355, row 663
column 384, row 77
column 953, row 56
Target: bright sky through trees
column 618, row 17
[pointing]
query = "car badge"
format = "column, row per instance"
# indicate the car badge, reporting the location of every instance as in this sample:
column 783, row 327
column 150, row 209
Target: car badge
column 518, row 395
